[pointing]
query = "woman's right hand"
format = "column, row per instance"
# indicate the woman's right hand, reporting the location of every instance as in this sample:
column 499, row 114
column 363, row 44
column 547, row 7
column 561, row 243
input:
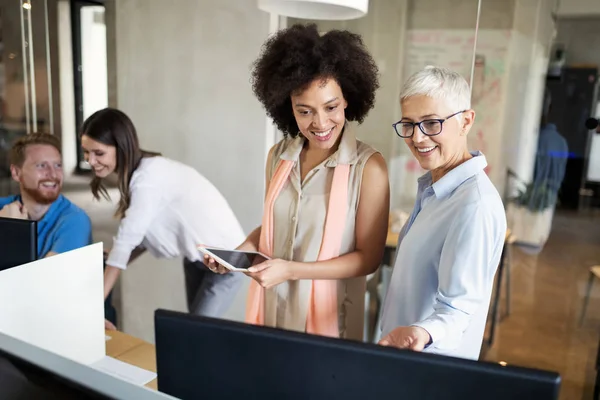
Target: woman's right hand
column 214, row 266
column 250, row 244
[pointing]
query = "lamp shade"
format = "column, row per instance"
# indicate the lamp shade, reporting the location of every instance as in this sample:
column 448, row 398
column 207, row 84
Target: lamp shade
column 316, row 9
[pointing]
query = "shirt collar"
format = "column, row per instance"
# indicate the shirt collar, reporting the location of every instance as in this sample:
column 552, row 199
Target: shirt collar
column 346, row 153
column 455, row 177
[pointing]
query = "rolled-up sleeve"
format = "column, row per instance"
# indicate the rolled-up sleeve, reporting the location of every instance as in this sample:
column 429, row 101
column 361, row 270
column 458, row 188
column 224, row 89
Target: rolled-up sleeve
column 466, row 273
column 146, row 202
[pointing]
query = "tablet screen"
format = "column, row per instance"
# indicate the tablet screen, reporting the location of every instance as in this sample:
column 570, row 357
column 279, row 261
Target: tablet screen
column 238, row 259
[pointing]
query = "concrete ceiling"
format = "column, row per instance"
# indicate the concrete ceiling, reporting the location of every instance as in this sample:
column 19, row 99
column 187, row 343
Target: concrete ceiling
column 579, row 8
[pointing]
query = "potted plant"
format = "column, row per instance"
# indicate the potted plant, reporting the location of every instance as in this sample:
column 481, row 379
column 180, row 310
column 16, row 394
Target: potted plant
column 530, row 212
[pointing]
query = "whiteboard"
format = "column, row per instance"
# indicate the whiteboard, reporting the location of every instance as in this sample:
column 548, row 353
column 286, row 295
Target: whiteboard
column 453, row 49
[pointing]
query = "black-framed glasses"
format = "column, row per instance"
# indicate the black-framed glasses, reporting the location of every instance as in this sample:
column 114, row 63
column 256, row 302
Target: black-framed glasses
column 429, row 127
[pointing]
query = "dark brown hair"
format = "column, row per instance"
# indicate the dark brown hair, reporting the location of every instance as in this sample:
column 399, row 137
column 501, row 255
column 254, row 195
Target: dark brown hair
column 112, row 127
column 17, row 152
column 294, row 57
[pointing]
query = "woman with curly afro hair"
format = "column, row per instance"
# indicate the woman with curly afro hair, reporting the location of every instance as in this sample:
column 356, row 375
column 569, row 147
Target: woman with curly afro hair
column 327, row 202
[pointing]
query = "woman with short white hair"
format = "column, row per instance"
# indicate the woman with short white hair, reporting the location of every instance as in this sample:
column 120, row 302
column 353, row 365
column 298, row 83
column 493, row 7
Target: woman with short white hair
column 450, row 247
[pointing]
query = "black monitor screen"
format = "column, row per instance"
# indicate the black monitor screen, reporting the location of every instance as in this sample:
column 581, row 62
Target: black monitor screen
column 22, row 380
column 18, row 242
column 199, row 357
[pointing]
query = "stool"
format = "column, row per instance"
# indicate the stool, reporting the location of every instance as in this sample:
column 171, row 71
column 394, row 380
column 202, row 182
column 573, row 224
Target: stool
column 594, row 273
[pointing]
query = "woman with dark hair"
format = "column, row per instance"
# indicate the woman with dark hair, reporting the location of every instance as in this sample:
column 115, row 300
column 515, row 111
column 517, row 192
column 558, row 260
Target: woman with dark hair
column 165, row 207
column 327, row 202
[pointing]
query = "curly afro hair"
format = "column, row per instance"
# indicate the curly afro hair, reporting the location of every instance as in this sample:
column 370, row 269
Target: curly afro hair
column 294, row 57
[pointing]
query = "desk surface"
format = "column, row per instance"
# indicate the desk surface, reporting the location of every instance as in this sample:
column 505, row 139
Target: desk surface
column 392, row 239
column 133, row 351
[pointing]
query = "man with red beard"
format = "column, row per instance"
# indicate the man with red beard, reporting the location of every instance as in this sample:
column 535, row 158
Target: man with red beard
column 36, row 164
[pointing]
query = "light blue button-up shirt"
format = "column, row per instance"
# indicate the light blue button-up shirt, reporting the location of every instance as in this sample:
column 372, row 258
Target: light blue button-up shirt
column 447, row 256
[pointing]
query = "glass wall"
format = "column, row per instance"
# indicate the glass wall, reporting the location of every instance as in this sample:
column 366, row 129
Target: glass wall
column 90, row 54
column 26, row 96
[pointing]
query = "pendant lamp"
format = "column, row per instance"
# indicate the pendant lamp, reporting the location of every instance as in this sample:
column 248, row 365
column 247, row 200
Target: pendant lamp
column 316, row 9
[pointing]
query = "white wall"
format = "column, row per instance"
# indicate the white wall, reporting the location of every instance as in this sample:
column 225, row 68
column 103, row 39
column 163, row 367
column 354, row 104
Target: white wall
column 593, row 167
column 94, row 73
column 183, row 72
column 66, row 88
column 183, row 77
column 527, row 63
column 93, row 60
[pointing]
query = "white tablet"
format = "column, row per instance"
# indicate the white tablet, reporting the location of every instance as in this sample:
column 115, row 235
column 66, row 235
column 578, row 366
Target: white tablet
column 234, row 260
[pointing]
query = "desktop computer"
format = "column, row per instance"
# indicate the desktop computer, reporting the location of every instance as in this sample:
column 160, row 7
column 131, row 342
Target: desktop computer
column 199, row 357
column 18, row 242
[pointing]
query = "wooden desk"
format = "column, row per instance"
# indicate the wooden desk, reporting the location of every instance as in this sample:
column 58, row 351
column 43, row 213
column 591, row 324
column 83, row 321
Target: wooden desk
column 391, row 242
column 120, row 342
column 392, row 239
column 133, row 351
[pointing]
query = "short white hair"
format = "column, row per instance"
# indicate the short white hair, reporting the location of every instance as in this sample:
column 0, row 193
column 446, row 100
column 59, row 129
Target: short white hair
column 439, row 83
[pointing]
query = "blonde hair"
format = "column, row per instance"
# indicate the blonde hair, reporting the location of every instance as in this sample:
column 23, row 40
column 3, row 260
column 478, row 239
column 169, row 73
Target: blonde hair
column 17, row 152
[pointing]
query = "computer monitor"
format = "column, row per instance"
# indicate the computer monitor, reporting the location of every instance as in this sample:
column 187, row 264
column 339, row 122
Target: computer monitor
column 23, row 380
column 18, row 242
column 201, row 357
column 29, row 372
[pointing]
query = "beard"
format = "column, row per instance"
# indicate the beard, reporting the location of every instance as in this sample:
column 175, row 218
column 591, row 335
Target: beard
column 40, row 196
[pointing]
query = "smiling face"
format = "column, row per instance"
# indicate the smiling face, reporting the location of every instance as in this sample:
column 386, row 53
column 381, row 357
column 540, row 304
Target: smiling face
column 101, row 157
column 319, row 113
column 41, row 175
column 439, row 153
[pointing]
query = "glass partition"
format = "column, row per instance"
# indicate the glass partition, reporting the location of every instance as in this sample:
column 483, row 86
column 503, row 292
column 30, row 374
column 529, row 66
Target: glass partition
column 26, row 94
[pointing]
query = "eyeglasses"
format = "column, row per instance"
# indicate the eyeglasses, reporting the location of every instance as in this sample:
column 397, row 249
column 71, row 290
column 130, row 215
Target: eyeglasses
column 429, row 127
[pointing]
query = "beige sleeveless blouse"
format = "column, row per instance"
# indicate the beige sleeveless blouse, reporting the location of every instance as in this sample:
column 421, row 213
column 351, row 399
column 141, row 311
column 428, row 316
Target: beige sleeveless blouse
column 298, row 223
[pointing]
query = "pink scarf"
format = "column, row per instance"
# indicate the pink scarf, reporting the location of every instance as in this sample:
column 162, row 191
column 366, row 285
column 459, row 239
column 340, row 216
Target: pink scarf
column 322, row 318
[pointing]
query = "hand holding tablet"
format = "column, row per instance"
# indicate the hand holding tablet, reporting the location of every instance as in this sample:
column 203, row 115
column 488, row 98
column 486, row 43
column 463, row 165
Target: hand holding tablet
column 233, row 260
